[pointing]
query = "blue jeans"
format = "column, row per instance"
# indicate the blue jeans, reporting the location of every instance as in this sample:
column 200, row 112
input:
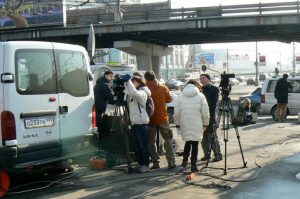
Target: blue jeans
column 140, row 134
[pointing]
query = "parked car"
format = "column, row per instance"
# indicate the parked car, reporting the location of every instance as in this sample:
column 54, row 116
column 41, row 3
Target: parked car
column 234, row 81
column 174, row 84
column 255, row 99
column 241, row 78
column 263, row 77
column 268, row 101
column 215, row 80
column 251, row 81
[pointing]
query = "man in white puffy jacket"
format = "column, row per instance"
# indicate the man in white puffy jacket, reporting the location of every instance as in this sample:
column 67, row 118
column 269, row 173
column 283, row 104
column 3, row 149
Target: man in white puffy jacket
column 192, row 115
column 137, row 94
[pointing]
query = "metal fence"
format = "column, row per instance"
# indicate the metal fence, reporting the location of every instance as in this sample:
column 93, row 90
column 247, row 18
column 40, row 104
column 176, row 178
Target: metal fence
column 95, row 16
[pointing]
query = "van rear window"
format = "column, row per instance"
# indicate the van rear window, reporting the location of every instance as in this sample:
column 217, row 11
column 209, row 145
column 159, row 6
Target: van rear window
column 271, row 86
column 72, row 73
column 35, row 72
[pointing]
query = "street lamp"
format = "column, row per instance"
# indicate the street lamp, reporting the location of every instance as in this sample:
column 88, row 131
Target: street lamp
column 256, row 65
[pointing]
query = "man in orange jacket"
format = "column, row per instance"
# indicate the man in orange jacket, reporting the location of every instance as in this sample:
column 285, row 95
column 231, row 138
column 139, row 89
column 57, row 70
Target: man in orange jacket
column 160, row 95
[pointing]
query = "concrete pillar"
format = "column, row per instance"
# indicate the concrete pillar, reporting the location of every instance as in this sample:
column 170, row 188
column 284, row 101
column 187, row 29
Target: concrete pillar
column 144, row 62
column 156, row 60
column 148, row 55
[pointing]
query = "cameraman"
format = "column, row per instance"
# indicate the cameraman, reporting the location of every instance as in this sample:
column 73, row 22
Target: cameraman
column 103, row 92
column 211, row 93
column 137, row 94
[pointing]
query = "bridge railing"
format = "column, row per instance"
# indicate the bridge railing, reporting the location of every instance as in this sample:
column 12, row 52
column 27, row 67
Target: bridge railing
column 95, row 16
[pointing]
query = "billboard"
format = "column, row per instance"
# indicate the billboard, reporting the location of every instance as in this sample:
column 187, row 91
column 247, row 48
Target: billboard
column 204, row 59
column 31, row 13
column 262, row 60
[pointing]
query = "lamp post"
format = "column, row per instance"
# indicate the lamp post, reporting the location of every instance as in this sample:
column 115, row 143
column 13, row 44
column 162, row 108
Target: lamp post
column 227, row 62
column 294, row 62
column 256, row 65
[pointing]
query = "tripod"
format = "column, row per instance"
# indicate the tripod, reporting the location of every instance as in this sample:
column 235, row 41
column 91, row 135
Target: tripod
column 225, row 111
column 121, row 110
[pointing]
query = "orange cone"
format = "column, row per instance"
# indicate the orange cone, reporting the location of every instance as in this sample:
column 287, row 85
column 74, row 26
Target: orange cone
column 4, row 183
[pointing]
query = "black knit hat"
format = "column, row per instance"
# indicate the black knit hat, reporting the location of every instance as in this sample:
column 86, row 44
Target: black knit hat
column 206, row 75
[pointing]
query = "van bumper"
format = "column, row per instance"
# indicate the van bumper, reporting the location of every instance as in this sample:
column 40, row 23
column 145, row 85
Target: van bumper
column 36, row 155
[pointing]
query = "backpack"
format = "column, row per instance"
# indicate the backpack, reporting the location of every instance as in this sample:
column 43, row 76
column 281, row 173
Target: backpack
column 150, row 106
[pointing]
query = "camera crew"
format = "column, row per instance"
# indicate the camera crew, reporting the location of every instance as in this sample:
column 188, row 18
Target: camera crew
column 103, row 93
column 211, row 93
column 137, row 94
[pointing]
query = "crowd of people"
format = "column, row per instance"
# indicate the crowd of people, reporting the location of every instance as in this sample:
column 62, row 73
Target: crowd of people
column 194, row 114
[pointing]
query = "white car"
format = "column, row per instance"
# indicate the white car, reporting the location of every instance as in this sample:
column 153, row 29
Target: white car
column 268, row 101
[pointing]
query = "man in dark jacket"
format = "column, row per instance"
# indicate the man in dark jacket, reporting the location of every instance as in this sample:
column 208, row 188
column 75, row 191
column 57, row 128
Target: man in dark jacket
column 281, row 93
column 211, row 93
column 103, row 92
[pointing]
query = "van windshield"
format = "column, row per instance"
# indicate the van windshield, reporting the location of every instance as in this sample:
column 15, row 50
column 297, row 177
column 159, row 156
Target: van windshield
column 35, row 71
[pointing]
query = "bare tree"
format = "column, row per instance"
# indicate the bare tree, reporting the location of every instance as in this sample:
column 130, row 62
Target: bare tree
column 10, row 10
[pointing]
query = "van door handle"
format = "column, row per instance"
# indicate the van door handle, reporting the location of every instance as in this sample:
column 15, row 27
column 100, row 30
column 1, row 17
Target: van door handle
column 63, row 109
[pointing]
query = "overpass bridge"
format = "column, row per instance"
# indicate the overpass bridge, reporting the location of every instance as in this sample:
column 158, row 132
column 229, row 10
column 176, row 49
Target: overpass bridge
column 157, row 29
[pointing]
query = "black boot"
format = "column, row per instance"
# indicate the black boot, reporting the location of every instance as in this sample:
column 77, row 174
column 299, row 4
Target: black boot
column 194, row 165
column 184, row 163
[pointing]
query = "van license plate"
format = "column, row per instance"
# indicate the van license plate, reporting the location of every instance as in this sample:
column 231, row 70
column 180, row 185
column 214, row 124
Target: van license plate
column 39, row 122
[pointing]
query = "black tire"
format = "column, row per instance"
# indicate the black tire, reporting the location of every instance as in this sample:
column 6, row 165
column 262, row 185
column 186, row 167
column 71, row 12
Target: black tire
column 257, row 109
column 274, row 111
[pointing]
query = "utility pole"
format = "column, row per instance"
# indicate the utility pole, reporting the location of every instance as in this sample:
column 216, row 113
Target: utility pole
column 227, row 58
column 167, row 67
column 256, row 65
column 294, row 62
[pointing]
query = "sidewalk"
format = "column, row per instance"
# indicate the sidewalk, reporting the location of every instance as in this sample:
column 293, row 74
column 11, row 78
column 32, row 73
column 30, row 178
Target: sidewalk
column 274, row 146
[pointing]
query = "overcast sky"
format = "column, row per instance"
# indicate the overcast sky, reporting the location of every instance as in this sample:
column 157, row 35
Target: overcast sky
column 274, row 51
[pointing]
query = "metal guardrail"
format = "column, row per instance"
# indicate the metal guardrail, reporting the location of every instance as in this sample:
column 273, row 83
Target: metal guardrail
column 88, row 16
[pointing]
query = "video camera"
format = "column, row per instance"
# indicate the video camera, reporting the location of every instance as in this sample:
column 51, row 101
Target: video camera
column 225, row 83
column 119, row 87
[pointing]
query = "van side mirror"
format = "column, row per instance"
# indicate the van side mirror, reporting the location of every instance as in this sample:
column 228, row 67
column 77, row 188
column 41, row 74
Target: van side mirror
column 90, row 76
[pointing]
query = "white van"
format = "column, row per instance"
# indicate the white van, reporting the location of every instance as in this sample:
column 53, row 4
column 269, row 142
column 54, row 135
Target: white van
column 268, row 101
column 46, row 104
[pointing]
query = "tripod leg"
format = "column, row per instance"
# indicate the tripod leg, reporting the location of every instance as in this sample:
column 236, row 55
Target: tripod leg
column 213, row 135
column 126, row 139
column 233, row 119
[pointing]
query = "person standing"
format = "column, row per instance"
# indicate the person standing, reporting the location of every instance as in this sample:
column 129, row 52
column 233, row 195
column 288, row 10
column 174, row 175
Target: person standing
column 160, row 95
column 281, row 93
column 211, row 93
column 103, row 92
column 136, row 100
column 192, row 115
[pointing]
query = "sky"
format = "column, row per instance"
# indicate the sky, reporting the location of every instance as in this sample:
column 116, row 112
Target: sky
column 274, row 51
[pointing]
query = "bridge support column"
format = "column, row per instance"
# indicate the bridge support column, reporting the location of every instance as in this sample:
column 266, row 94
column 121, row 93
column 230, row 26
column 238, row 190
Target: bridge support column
column 148, row 55
column 144, row 62
column 156, row 60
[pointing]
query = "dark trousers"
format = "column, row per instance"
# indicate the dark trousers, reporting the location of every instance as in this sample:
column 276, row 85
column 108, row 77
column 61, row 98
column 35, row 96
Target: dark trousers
column 187, row 148
column 210, row 138
column 140, row 134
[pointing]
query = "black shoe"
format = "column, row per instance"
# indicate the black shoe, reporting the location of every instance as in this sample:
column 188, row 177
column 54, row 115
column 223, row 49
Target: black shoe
column 217, row 159
column 194, row 168
column 184, row 163
column 155, row 166
column 204, row 158
column 172, row 166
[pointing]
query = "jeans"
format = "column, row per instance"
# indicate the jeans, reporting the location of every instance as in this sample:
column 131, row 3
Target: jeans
column 167, row 136
column 210, row 139
column 281, row 111
column 140, row 134
column 187, row 149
